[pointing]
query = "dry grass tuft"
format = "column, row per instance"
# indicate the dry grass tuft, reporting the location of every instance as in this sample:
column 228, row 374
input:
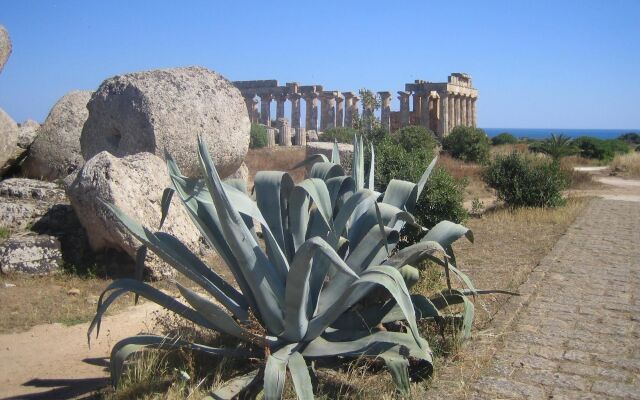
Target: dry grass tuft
column 627, row 165
column 506, row 149
column 476, row 189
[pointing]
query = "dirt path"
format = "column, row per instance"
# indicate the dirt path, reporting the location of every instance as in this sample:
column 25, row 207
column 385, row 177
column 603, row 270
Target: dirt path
column 54, row 361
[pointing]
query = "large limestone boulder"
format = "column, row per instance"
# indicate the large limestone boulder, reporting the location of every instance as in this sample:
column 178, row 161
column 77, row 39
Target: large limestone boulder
column 160, row 110
column 134, row 184
column 55, row 153
column 24, row 202
column 34, row 255
column 9, row 150
column 5, row 47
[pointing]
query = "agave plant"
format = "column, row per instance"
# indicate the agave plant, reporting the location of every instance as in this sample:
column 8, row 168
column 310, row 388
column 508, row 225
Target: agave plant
column 327, row 243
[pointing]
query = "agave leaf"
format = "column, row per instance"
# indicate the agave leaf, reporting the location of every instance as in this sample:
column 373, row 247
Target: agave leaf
column 467, row 292
column 182, row 259
column 446, row 233
column 341, row 188
column 401, row 194
column 361, row 225
column 398, row 367
column 415, row 253
column 463, row 277
column 373, row 248
column 261, row 275
column 270, row 185
column 167, row 194
column 300, row 376
column 130, row 346
column 275, row 372
column 372, row 166
column 410, row 274
column 316, row 190
column 300, row 281
column 361, row 198
column 425, row 176
column 357, row 166
column 381, row 226
column 383, row 275
column 311, row 160
column 325, row 170
column 121, row 286
column 214, row 314
column 335, row 153
column 233, row 388
column 238, row 184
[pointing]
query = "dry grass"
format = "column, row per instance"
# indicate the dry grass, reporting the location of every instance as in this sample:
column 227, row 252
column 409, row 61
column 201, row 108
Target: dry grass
column 275, row 159
column 627, row 165
column 506, row 149
column 44, row 300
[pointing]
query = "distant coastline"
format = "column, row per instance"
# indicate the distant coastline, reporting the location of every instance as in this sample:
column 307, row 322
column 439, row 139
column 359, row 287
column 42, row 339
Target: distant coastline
column 541, row 133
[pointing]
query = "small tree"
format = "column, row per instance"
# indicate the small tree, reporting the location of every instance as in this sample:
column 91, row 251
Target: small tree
column 556, row 146
column 504, row 138
column 414, row 137
column 258, row 136
column 468, row 144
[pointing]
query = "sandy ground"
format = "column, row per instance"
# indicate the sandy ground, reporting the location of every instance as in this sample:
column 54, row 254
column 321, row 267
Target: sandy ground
column 54, row 361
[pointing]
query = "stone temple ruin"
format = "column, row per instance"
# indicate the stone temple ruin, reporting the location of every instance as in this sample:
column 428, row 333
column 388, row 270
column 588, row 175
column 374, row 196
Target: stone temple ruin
column 438, row 106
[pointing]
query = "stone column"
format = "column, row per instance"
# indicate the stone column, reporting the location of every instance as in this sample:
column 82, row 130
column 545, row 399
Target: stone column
column 249, row 103
column 265, row 109
column 280, row 99
column 417, row 106
column 355, row 110
column 385, row 110
column 348, row 108
column 284, row 138
column 271, row 137
column 452, row 112
column 255, row 113
column 469, row 111
column 434, row 111
column 474, row 114
column 458, row 111
column 339, row 111
column 299, row 136
column 444, row 115
column 311, row 115
column 327, row 110
column 463, row 112
column 425, row 103
column 295, row 109
column 404, row 108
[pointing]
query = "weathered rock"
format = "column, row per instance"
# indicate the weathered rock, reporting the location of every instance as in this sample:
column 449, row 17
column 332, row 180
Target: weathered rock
column 38, row 255
column 160, row 110
column 28, row 133
column 326, row 148
column 5, row 47
column 312, row 136
column 55, row 153
column 24, row 202
column 241, row 173
column 134, row 184
column 9, row 150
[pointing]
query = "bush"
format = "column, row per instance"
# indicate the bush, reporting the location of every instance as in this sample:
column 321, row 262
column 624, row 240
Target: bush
column 342, row 135
column 415, row 137
column 258, row 136
column 504, row 138
column 467, row 144
column 630, row 137
column 555, row 146
column 442, row 199
column 525, row 182
column 603, row 150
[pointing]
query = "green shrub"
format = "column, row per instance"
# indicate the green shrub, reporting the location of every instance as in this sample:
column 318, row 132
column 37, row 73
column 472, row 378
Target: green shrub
column 522, row 181
column 555, row 146
column 258, row 136
column 442, row 200
column 393, row 161
column 630, row 137
column 467, row 144
column 603, row 150
column 415, row 137
column 504, row 138
column 342, row 135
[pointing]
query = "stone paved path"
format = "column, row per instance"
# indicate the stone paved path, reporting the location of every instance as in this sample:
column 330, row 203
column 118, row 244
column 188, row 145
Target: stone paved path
column 578, row 336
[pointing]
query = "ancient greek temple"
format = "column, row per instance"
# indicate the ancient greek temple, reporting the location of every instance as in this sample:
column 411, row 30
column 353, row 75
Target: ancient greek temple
column 438, row 106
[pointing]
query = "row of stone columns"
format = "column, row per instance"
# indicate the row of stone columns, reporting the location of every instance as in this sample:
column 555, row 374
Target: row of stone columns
column 461, row 111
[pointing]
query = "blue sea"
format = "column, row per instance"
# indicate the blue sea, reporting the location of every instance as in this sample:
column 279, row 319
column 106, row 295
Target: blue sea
column 539, row 133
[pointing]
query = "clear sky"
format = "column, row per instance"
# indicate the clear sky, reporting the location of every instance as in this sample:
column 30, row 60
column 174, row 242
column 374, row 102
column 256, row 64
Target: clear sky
column 537, row 64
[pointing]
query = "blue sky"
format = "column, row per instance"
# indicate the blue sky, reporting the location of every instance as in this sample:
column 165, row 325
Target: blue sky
column 545, row 64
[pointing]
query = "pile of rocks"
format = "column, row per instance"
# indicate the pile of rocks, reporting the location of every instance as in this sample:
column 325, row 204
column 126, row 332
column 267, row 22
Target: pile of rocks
column 108, row 145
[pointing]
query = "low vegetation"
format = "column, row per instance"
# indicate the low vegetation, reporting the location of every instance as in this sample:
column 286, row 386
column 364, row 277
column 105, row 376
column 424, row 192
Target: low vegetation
column 258, row 136
column 312, row 277
column 341, row 135
column 522, row 181
column 468, row 144
column 627, row 165
column 504, row 138
column 600, row 149
column 556, row 147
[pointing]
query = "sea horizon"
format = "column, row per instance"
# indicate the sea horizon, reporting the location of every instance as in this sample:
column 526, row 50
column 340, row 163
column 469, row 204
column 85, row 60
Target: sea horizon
column 541, row 133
